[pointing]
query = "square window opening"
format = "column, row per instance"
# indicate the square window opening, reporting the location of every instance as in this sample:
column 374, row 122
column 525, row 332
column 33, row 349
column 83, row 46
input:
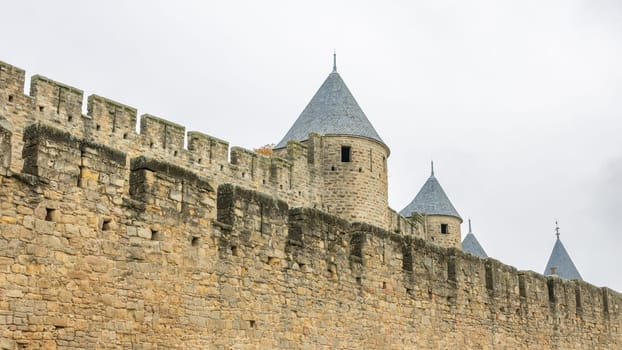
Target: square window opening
column 156, row 235
column 195, row 242
column 106, row 224
column 346, row 154
column 50, row 214
column 444, row 228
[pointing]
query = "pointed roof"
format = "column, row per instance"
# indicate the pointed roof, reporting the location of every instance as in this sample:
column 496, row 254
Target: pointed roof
column 431, row 200
column 560, row 259
column 332, row 111
column 471, row 245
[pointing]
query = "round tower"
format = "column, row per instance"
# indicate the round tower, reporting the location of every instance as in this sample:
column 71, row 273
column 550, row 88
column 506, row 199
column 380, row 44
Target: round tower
column 353, row 157
column 355, row 178
column 442, row 221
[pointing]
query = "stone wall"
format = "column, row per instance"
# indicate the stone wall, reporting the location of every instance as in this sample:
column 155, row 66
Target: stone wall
column 113, row 239
column 298, row 175
column 96, row 254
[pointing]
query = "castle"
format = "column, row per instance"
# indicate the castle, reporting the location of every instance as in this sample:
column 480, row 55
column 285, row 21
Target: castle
column 115, row 239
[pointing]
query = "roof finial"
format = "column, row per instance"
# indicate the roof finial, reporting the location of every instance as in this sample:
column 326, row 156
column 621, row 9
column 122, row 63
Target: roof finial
column 334, row 61
column 556, row 229
column 470, row 225
column 432, row 167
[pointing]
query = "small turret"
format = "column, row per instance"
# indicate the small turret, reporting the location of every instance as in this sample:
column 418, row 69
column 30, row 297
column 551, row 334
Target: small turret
column 442, row 221
column 471, row 245
column 560, row 263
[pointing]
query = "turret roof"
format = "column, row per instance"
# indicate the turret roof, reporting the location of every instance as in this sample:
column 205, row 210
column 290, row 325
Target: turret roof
column 471, row 245
column 332, row 111
column 431, row 200
column 561, row 260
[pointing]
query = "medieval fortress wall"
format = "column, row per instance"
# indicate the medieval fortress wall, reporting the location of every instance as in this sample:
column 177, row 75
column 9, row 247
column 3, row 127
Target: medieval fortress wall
column 115, row 239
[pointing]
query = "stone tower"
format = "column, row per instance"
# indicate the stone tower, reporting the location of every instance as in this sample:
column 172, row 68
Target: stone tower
column 349, row 153
column 442, row 221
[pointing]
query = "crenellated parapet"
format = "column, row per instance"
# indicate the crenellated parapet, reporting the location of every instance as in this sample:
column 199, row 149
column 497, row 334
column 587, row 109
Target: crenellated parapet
column 302, row 173
column 112, row 249
column 109, row 117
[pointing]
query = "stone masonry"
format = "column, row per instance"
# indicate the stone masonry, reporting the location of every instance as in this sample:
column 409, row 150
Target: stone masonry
column 115, row 239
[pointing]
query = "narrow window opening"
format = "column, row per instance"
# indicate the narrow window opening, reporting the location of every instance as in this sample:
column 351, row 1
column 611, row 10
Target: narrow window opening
column 577, row 296
column 384, row 285
column 522, row 289
column 551, row 287
column 199, row 160
column 263, row 181
column 359, row 280
column 195, row 242
column 451, row 269
column 150, row 144
column 332, row 168
column 81, row 168
column 41, row 108
column 125, row 136
column 175, row 153
column 106, row 224
column 281, row 187
column 98, row 127
column 444, row 228
column 60, row 91
column 360, row 170
column 243, row 174
column 156, row 235
column 10, row 98
column 69, row 118
column 252, row 323
column 234, row 250
column 346, row 153
column 490, row 285
column 221, row 167
column 50, row 214
column 605, row 301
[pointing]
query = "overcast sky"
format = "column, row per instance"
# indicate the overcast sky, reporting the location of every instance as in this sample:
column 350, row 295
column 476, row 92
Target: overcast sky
column 519, row 103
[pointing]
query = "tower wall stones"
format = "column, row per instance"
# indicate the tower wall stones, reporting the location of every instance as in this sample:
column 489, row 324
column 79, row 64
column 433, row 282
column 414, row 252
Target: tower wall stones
column 356, row 189
column 451, row 237
column 109, row 242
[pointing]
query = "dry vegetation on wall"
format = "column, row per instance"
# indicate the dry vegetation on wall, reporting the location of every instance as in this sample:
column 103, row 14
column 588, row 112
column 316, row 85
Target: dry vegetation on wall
column 265, row 150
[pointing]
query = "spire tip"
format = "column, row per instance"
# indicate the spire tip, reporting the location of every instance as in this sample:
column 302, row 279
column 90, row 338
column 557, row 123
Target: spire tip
column 334, row 61
column 432, row 167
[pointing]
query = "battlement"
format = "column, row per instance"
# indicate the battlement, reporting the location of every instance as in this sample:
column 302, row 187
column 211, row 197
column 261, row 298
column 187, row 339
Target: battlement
column 115, row 239
column 231, row 246
column 293, row 174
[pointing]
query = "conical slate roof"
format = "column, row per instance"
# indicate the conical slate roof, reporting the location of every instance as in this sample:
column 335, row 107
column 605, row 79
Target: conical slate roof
column 471, row 245
column 332, row 111
column 561, row 260
column 431, row 200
